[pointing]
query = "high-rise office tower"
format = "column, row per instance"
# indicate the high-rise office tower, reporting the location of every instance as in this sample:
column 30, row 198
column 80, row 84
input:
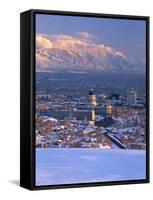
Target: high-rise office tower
column 131, row 98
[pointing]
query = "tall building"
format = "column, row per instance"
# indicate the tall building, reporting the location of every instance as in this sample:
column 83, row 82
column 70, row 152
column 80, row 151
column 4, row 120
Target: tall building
column 92, row 98
column 131, row 98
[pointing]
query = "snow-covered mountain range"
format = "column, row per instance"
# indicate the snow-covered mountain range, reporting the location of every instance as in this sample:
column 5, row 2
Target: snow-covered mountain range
column 80, row 53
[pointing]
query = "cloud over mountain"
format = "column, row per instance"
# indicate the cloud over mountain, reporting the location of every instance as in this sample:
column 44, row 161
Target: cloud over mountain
column 80, row 52
column 42, row 42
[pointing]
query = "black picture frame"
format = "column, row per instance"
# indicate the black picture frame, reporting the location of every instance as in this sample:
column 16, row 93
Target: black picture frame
column 27, row 98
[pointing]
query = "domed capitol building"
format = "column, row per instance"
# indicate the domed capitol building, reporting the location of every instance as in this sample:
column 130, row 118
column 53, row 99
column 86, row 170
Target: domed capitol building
column 92, row 98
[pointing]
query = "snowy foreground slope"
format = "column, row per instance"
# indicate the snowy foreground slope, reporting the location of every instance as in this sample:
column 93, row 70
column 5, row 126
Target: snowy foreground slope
column 61, row 166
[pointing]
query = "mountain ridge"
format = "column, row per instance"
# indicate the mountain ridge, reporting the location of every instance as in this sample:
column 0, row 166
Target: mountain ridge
column 61, row 52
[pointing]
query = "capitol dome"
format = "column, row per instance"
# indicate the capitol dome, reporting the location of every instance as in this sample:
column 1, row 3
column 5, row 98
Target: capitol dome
column 91, row 92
